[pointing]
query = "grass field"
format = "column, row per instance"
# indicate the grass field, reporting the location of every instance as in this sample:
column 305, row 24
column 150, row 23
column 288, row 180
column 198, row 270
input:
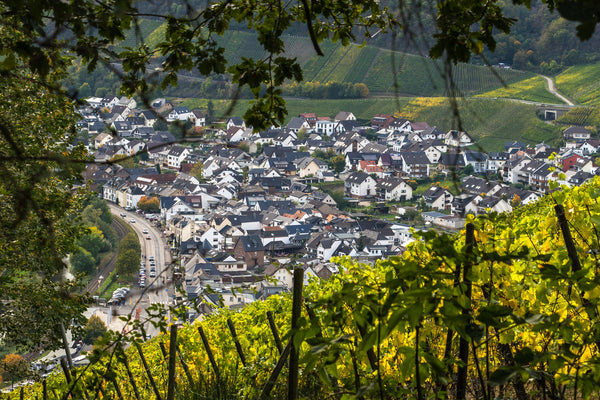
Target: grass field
column 532, row 89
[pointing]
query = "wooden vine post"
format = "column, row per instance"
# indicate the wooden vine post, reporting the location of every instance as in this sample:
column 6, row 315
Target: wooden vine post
column 463, row 347
column 238, row 346
column 295, row 350
column 129, row 374
column 211, row 357
column 172, row 361
column 148, row 372
column 185, row 367
column 274, row 331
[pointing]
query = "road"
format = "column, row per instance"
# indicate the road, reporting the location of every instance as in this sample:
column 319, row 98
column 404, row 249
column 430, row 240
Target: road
column 552, row 89
column 158, row 289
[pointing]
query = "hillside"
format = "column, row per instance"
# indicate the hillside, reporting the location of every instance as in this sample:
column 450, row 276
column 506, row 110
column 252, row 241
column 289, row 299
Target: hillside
column 526, row 304
column 392, row 78
column 490, row 122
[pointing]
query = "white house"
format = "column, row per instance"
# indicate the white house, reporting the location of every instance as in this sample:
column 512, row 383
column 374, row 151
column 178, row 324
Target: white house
column 393, row 189
column 176, row 156
column 211, row 236
column 360, row 184
column 180, row 114
column 326, row 127
column 199, row 118
column 457, row 139
column 171, row 206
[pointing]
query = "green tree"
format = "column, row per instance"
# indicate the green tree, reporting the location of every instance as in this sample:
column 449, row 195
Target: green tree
column 83, row 262
column 93, row 242
column 128, row 261
column 198, row 170
column 94, row 329
column 468, row 170
column 101, row 92
column 128, row 258
column 339, row 163
column 210, row 112
column 161, row 125
column 84, row 91
column 38, row 224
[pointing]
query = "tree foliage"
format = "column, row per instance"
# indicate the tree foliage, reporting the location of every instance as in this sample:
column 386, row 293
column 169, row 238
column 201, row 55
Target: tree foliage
column 338, row 163
column 198, row 168
column 83, row 262
column 93, row 242
column 129, row 255
column 38, row 223
column 13, row 368
column 149, row 204
column 94, row 329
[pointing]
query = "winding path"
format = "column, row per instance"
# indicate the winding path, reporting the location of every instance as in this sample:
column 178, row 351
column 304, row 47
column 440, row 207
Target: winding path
column 552, row 89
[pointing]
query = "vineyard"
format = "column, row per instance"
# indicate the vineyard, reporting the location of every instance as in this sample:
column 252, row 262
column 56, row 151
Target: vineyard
column 532, row 89
column 508, row 308
column 581, row 83
column 383, row 71
column 380, row 76
column 312, row 66
column 577, row 116
column 477, row 79
column 333, row 62
column 361, row 65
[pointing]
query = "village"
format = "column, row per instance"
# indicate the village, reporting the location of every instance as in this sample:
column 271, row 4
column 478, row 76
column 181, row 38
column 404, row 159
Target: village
column 259, row 205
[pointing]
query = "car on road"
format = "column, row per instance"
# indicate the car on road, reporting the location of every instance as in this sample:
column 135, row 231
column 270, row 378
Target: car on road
column 148, row 237
column 150, row 258
column 145, row 231
column 132, row 220
column 123, row 215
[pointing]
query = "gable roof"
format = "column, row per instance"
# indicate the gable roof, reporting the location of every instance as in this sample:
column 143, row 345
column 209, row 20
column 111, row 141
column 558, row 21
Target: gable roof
column 252, row 243
column 415, row 157
column 357, row 177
